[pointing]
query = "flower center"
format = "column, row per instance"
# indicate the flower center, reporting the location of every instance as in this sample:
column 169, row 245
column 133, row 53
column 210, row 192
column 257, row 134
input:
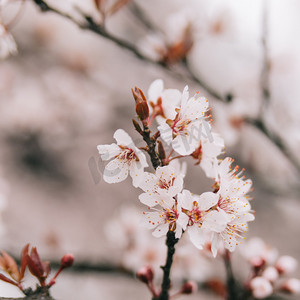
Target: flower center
column 195, row 215
column 180, row 127
column 163, row 184
column 127, row 154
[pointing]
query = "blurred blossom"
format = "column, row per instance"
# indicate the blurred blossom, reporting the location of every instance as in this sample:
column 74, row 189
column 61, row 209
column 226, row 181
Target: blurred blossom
column 286, row 264
column 8, row 45
column 135, row 247
column 257, row 248
column 261, row 287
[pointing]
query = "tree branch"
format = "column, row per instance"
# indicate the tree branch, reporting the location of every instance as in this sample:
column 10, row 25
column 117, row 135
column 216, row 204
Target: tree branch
column 170, row 242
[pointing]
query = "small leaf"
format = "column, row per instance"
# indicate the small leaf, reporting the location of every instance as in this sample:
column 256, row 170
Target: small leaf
column 4, row 278
column 36, row 260
column 11, row 266
column 47, row 268
column 34, row 270
column 23, row 262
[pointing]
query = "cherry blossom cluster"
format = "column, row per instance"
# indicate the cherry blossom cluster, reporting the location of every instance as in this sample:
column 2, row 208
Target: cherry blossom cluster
column 218, row 217
column 270, row 272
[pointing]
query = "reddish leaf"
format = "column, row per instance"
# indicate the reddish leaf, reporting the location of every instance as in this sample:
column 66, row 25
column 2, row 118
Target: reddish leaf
column 34, row 270
column 36, row 260
column 4, row 278
column 46, row 268
column 23, row 262
column 11, row 266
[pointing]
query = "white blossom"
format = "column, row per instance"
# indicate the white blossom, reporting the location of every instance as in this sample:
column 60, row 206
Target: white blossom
column 286, row 264
column 164, row 217
column 185, row 130
column 256, row 248
column 198, row 216
column 127, row 159
column 234, row 202
column 292, row 285
column 163, row 101
column 165, row 181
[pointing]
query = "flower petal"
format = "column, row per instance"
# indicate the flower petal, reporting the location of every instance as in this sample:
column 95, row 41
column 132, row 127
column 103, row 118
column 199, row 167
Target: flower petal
column 207, row 200
column 136, row 172
column 115, row 171
column 155, row 90
column 108, row 151
column 197, row 236
column 123, row 138
column 165, row 133
column 149, row 199
column 161, row 230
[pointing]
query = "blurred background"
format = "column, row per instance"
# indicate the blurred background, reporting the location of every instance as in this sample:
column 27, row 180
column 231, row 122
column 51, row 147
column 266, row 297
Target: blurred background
column 68, row 90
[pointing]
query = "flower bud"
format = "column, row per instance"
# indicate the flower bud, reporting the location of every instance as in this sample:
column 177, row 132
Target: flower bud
column 286, row 264
column 271, row 274
column 257, row 262
column 67, row 261
column 261, row 287
column 292, row 285
column 189, row 287
column 141, row 107
column 145, row 274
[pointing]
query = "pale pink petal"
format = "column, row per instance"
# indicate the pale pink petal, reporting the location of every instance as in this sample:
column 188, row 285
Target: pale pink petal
column 215, row 221
column 207, row 200
column 215, row 244
column 115, row 171
column 123, row 138
column 161, row 230
column 165, row 133
column 155, row 90
column 136, row 173
column 151, row 220
column 149, row 183
column 185, row 200
column 108, row 151
column 149, row 199
column 197, row 236
column 195, row 108
column 184, row 144
column 182, row 220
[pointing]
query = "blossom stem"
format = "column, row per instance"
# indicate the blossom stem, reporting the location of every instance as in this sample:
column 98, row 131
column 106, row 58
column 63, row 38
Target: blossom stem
column 151, row 143
column 154, row 115
column 165, row 286
column 231, row 285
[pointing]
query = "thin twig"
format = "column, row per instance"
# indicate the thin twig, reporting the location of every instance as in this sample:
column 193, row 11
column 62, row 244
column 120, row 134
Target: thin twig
column 170, row 242
column 230, row 280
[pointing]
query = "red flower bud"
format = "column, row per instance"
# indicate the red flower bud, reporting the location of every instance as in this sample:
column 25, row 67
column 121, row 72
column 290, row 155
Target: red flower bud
column 145, row 274
column 67, row 261
column 141, row 108
column 189, row 287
